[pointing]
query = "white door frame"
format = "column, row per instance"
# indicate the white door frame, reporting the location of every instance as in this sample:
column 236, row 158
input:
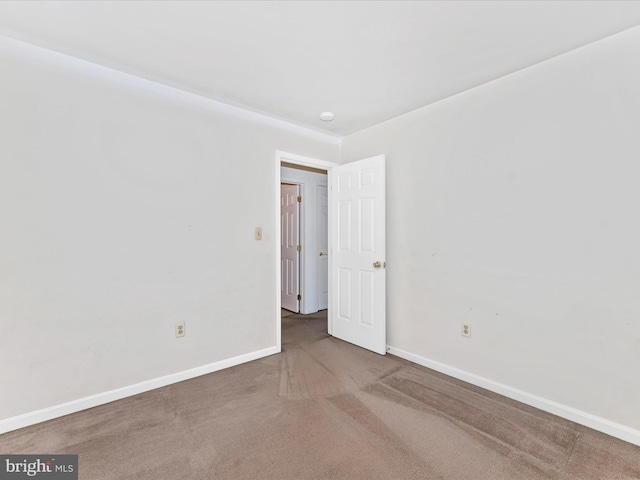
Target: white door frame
column 305, row 162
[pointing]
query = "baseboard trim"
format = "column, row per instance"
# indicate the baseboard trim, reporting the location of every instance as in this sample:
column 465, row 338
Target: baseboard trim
column 49, row 413
column 583, row 418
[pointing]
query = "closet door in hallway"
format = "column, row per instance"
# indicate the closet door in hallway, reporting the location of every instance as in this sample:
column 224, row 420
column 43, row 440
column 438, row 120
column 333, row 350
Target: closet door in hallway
column 289, row 242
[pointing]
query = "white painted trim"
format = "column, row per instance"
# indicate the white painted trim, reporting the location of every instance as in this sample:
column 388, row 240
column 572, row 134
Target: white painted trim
column 278, row 254
column 176, row 92
column 31, row 418
column 330, row 227
column 603, row 425
column 305, row 162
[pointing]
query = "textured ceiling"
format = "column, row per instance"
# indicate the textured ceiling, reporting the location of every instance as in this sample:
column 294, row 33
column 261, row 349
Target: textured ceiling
column 365, row 61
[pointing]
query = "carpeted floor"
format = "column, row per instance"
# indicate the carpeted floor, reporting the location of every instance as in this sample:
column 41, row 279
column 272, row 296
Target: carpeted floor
column 325, row 409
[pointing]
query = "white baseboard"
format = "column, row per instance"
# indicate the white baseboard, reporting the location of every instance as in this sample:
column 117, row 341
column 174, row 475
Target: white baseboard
column 49, row 413
column 602, row 425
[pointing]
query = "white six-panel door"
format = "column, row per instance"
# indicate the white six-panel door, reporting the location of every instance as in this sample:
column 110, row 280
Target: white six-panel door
column 357, row 258
column 289, row 255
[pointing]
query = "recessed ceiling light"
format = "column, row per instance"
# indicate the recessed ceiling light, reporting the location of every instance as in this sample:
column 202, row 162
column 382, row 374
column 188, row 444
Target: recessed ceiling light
column 327, row 116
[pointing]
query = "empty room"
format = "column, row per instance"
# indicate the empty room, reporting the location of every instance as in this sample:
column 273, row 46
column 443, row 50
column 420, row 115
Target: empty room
column 320, row 240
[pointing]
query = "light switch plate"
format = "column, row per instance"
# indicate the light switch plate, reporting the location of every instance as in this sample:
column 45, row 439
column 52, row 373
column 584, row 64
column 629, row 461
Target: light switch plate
column 258, row 233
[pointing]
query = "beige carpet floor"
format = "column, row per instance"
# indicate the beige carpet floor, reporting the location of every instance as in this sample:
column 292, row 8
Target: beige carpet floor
column 325, row 409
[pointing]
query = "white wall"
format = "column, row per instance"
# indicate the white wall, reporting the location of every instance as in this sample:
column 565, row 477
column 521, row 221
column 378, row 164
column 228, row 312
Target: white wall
column 310, row 251
column 126, row 207
column 514, row 206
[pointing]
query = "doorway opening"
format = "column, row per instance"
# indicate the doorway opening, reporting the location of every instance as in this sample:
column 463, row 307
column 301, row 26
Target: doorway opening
column 304, row 248
column 309, row 177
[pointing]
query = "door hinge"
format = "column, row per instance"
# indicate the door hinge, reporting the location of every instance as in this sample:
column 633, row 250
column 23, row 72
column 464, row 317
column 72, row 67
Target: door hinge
column 299, row 248
column 299, row 297
column 299, row 198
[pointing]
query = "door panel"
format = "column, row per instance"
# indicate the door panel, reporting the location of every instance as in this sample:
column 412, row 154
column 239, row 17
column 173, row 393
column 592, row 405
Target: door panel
column 322, row 218
column 357, row 286
column 289, row 255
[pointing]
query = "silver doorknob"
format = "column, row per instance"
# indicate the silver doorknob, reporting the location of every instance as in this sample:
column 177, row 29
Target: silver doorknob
column 377, row 264
column 322, row 254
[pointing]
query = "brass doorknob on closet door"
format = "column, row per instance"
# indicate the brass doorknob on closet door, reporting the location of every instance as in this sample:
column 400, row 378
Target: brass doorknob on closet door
column 322, row 254
column 377, row 265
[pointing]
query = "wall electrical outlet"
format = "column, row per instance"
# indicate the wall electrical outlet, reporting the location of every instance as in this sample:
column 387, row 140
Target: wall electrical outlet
column 466, row 329
column 180, row 329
